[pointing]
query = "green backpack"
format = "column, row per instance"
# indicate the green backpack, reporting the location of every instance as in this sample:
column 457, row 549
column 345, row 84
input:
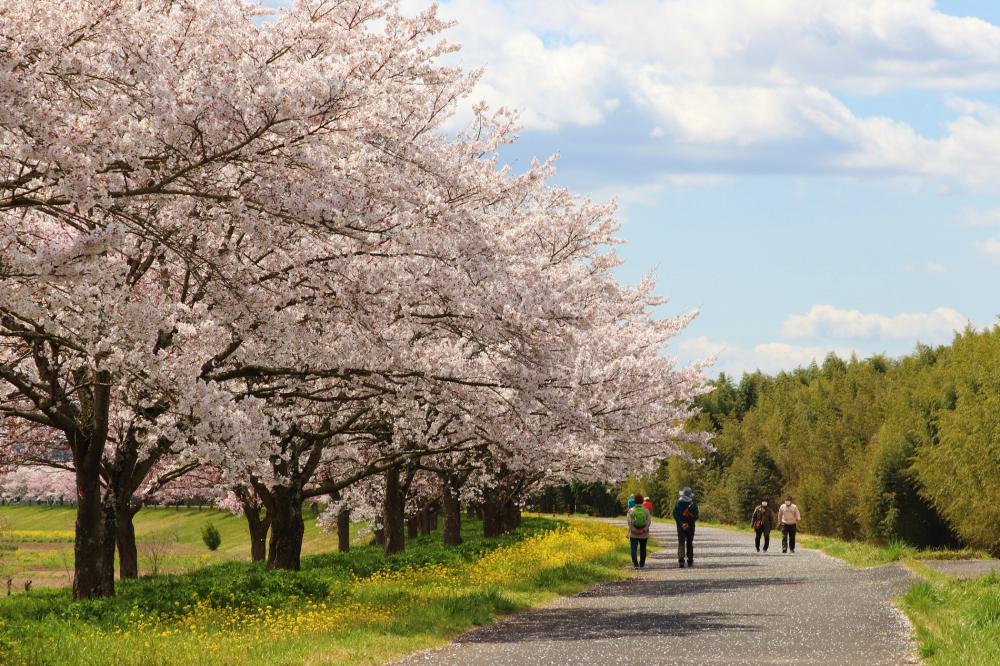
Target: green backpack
column 639, row 518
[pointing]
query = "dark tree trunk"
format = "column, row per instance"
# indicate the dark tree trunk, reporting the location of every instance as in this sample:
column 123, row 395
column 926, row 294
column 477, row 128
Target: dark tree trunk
column 380, row 536
column 258, row 540
column 470, row 511
column 510, row 516
column 109, row 542
column 492, row 516
column 128, row 555
column 88, row 547
column 258, row 525
column 432, row 519
column 344, row 530
column 452, row 515
column 423, row 521
column 287, row 529
column 392, row 513
column 412, row 527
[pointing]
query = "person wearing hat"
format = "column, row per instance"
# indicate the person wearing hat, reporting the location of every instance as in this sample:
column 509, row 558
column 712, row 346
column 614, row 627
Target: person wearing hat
column 685, row 515
column 762, row 521
column 631, row 501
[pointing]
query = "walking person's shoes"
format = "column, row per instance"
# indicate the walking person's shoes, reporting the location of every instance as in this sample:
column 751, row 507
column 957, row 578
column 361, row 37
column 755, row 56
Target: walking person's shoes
column 690, row 563
column 681, row 563
column 783, row 550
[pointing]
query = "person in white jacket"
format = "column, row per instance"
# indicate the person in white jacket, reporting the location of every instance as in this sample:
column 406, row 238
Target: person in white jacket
column 789, row 517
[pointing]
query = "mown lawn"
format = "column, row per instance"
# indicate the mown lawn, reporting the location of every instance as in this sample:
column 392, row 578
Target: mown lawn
column 42, row 538
column 353, row 608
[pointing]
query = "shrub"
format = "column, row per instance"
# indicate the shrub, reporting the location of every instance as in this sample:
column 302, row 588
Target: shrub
column 210, row 535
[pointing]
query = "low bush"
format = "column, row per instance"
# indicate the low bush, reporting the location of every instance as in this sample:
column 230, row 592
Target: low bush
column 210, row 535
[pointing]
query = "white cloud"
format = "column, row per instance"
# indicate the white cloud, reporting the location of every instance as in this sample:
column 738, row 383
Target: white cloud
column 977, row 217
column 776, row 356
column 746, row 74
column 990, row 247
column 826, row 321
column 934, row 267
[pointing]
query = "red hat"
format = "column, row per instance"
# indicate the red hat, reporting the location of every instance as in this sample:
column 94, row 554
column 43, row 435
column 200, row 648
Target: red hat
column 648, row 505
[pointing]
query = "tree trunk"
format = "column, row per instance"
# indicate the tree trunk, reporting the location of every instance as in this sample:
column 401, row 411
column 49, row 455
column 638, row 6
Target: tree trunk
column 424, row 521
column 432, row 519
column 510, row 516
column 492, row 516
column 392, row 513
column 344, row 530
column 412, row 527
column 287, row 529
column 380, row 536
column 258, row 525
column 88, row 548
column 128, row 555
column 452, row 515
column 109, row 542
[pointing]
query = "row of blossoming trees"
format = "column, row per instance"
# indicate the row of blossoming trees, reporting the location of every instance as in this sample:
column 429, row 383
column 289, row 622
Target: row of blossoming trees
column 240, row 257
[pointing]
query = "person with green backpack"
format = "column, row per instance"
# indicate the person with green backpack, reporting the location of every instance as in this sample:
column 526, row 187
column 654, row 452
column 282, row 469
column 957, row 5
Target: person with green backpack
column 639, row 519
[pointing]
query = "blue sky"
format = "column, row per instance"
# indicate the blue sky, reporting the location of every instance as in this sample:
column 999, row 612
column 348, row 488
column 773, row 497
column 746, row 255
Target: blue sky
column 812, row 175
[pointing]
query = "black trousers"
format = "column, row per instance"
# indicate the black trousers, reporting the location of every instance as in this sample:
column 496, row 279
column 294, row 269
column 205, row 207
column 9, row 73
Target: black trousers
column 788, row 537
column 640, row 545
column 767, row 539
column 685, row 543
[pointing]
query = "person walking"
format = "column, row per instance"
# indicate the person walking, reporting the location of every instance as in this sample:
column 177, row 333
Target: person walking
column 763, row 522
column 631, row 502
column 639, row 520
column 789, row 517
column 685, row 515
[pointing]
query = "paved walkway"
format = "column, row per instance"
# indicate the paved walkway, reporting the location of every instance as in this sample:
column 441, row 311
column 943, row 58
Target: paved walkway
column 964, row 568
column 734, row 607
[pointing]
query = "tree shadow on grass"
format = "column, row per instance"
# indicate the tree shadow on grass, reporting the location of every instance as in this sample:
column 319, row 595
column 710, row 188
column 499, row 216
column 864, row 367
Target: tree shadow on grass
column 575, row 624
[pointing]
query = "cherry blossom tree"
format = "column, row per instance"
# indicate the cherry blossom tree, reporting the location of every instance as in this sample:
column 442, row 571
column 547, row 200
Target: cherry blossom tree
column 250, row 244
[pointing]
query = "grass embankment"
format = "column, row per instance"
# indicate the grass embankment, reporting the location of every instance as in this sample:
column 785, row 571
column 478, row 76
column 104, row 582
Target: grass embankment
column 957, row 622
column 358, row 607
column 40, row 541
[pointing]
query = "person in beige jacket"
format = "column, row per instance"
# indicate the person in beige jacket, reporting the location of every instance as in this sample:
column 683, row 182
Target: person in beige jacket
column 789, row 517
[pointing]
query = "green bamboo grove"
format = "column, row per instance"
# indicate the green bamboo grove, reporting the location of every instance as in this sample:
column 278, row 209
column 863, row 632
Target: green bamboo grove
column 877, row 449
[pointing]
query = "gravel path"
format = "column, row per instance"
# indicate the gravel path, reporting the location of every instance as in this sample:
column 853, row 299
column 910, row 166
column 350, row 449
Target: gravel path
column 735, row 606
column 964, row 568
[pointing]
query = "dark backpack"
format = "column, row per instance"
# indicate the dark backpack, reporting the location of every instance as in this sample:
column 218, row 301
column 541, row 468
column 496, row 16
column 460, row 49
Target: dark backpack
column 639, row 518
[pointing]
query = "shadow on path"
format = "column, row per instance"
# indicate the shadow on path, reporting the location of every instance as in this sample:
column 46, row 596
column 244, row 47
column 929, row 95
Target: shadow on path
column 687, row 587
column 580, row 624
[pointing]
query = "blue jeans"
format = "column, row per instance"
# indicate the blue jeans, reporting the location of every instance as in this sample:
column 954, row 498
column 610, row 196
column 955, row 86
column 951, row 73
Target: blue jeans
column 640, row 545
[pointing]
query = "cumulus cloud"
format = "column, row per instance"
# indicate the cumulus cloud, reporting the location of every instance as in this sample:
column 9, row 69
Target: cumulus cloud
column 746, row 75
column 827, row 321
column 934, row 267
column 990, row 247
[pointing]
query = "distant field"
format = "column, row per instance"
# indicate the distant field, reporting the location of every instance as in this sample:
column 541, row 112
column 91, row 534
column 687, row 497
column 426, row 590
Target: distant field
column 43, row 541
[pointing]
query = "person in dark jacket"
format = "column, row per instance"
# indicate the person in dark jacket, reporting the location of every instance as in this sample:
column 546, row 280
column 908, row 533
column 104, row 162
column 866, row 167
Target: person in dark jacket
column 685, row 515
column 763, row 522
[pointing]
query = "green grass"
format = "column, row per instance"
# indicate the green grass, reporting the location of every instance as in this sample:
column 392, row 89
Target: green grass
column 957, row 622
column 358, row 607
column 43, row 538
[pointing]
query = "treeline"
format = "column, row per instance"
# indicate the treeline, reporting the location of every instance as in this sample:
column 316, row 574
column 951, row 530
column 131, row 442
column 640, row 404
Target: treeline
column 877, row 449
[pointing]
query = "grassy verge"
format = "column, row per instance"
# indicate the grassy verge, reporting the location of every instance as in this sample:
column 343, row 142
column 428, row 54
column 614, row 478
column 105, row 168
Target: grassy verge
column 358, row 607
column 957, row 622
column 39, row 542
